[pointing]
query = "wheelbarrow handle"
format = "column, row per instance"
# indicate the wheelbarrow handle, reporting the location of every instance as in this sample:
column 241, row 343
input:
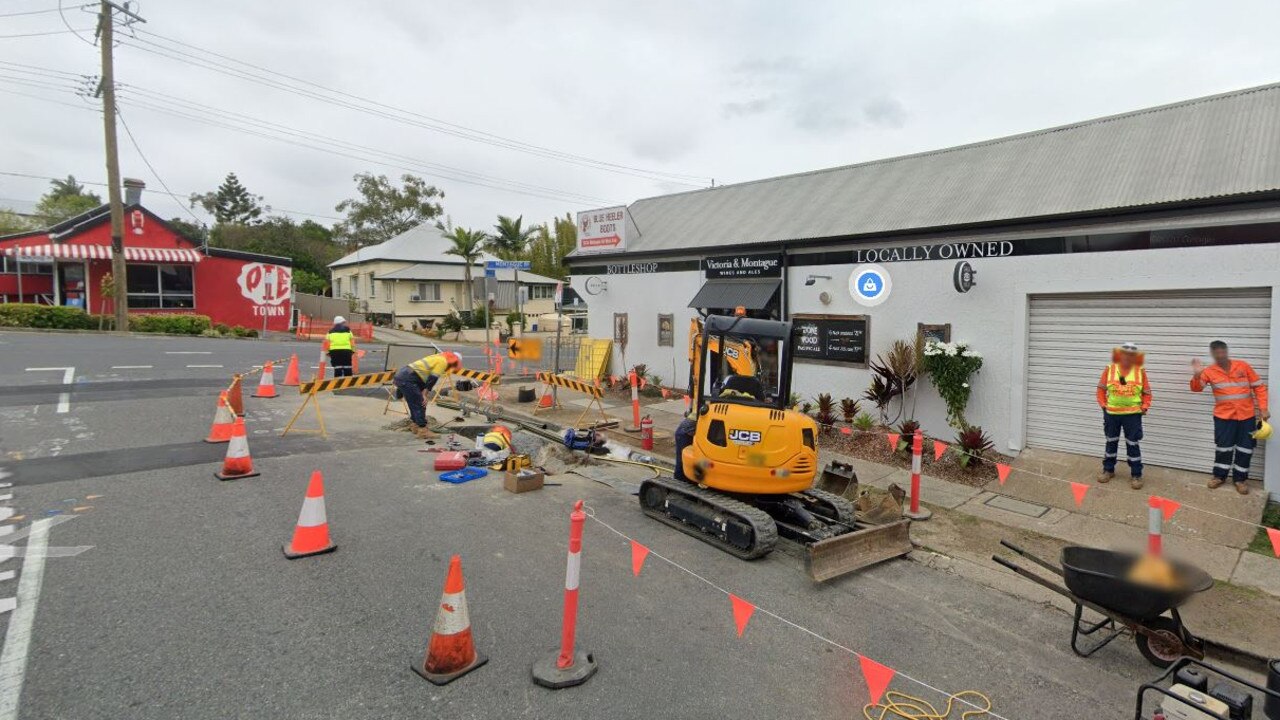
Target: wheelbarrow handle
column 1033, row 558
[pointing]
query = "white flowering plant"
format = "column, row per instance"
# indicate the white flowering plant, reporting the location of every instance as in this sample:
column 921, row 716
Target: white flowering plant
column 950, row 365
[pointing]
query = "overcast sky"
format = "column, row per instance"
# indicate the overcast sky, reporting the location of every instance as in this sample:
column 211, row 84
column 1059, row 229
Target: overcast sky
column 682, row 92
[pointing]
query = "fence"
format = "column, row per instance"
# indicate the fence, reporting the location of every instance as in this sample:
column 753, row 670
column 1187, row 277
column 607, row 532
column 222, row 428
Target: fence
column 319, row 306
column 580, row 357
column 310, row 328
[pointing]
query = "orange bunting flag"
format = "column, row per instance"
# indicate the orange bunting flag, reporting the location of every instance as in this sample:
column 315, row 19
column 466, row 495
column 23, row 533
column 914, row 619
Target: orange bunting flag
column 497, row 342
column 741, row 612
column 613, row 380
column 666, row 394
column 1003, row 471
column 847, row 431
column 1274, row 534
column 1167, row 507
column 877, row 676
column 643, row 383
column 939, row 447
column 488, row 350
column 893, row 441
column 1078, row 490
column 638, row 554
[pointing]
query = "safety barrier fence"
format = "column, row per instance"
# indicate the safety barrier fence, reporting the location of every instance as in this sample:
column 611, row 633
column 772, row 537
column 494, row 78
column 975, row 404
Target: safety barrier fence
column 1079, row 490
column 877, row 675
column 312, row 327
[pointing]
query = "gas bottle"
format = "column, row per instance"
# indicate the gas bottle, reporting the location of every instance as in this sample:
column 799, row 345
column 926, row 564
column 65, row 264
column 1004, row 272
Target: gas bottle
column 646, row 432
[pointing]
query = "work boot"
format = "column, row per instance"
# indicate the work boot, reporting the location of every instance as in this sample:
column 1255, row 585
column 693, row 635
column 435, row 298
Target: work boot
column 1216, row 482
column 1242, row 488
column 1135, row 483
column 424, row 433
column 1106, row 476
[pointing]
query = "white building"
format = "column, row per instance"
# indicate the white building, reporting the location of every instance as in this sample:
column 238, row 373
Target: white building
column 1160, row 226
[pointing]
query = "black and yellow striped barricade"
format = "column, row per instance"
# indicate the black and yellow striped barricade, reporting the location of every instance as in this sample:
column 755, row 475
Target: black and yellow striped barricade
column 312, row 389
column 481, row 380
column 589, row 389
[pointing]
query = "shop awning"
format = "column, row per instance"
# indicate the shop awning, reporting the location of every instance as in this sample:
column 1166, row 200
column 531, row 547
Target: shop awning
column 749, row 293
column 103, row 252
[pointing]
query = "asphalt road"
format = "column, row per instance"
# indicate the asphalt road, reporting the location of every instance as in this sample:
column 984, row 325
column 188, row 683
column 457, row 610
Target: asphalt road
column 184, row 606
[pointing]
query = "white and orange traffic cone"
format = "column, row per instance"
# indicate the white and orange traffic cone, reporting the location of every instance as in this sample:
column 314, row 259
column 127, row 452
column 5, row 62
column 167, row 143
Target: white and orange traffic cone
column 452, row 651
column 291, row 378
column 223, row 421
column 311, row 534
column 267, row 385
column 237, row 463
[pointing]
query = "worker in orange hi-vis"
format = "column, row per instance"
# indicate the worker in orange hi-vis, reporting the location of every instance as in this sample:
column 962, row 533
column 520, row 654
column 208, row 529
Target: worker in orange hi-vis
column 1237, row 389
column 1124, row 394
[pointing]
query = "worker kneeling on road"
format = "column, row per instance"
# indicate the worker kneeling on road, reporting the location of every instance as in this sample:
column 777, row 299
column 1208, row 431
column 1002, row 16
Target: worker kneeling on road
column 495, row 445
column 342, row 345
column 419, row 377
column 1124, row 394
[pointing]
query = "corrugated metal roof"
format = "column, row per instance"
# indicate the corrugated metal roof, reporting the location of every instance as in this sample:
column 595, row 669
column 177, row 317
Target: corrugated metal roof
column 439, row 271
column 424, row 243
column 1216, row 146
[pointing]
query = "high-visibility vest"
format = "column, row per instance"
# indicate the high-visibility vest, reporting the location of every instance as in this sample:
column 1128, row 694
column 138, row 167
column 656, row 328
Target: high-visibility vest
column 1234, row 390
column 430, row 365
column 1124, row 390
column 496, row 438
column 341, row 340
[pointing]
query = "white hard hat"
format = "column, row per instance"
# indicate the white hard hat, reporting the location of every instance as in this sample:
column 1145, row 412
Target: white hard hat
column 1129, row 347
column 338, row 319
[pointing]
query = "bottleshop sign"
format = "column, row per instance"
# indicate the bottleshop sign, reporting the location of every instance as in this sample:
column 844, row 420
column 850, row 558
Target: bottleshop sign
column 743, row 266
column 944, row 251
column 603, row 230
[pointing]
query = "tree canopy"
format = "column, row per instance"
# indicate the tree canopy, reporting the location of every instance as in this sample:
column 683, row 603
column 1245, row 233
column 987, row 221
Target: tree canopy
column 467, row 245
column 510, row 240
column 383, row 210
column 231, row 203
column 550, row 246
column 65, row 199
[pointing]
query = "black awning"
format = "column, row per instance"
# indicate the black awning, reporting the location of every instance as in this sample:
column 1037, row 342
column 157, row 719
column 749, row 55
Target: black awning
column 749, row 293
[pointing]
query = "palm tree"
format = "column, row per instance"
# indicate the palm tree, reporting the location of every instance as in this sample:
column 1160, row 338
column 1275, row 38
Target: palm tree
column 510, row 240
column 468, row 245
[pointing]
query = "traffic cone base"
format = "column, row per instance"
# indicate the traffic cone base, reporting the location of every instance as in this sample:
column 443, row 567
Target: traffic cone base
column 548, row 673
column 311, row 534
column 451, row 652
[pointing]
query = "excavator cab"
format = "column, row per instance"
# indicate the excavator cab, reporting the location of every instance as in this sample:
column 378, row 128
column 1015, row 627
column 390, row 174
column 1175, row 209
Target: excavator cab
column 747, row 439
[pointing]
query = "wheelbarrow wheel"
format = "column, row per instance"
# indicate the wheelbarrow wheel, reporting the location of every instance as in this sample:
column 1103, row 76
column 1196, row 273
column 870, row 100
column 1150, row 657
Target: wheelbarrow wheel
column 1167, row 646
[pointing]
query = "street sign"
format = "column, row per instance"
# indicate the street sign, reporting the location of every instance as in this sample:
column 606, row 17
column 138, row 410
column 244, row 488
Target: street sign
column 506, row 265
column 491, row 272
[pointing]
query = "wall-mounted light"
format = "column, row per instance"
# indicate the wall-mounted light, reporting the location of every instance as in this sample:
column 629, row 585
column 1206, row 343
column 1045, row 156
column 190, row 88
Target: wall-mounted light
column 814, row 278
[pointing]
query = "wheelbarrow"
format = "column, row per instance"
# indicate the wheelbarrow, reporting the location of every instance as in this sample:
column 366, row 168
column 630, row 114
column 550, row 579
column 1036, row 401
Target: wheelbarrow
column 1096, row 579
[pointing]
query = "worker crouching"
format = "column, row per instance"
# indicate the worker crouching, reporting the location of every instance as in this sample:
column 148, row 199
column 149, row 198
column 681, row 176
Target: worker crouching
column 1124, row 394
column 419, row 377
column 494, row 446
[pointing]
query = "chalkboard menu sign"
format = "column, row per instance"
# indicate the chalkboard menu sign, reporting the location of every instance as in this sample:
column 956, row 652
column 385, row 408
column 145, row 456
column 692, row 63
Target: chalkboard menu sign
column 832, row 339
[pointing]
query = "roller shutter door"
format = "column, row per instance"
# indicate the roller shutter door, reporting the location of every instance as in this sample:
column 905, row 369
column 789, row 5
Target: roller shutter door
column 1071, row 337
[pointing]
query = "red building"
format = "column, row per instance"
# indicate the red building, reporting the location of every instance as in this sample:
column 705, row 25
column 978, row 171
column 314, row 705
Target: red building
column 167, row 272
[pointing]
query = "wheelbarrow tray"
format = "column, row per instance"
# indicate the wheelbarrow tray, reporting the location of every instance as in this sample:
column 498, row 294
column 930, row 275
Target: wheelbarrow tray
column 1100, row 577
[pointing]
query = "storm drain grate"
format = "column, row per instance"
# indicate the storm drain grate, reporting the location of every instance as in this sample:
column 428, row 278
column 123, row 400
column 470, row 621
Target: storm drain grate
column 1020, row 507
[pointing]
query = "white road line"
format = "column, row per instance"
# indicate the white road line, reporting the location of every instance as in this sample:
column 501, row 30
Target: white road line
column 204, row 366
column 6, row 497
column 68, row 376
column 17, row 640
column 132, row 367
column 188, row 352
column 6, row 575
column 7, row 604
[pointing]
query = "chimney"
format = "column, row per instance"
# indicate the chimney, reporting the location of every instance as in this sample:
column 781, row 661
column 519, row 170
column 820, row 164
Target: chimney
column 133, row 191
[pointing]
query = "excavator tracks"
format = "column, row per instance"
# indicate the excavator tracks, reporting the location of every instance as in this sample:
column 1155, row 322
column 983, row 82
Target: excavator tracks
column 731, row 525
column 833, row 506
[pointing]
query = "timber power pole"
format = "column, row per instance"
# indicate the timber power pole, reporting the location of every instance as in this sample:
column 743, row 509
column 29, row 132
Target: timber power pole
column 106, row 40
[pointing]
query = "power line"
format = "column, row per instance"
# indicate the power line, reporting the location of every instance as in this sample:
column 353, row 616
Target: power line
column 50, row 32
column 396, row 113
column 134, row 141
column 31, row 12
column 62, row 14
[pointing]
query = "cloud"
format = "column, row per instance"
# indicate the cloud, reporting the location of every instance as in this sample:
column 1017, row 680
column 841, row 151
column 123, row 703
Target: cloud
column 886, row 112
column 747, row 108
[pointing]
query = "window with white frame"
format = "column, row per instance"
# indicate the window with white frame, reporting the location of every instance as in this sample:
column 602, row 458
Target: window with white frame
column 337, row 287
column 373, row 285
column 428, row 292
column 161, row 286
column 542, row 292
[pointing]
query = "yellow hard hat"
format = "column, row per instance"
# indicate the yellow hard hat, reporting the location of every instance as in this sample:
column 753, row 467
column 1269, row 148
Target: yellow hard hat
column 1263, row 432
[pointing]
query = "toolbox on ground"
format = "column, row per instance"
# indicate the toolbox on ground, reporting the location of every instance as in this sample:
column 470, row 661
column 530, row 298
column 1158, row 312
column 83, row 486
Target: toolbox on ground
column 523, row 481
column 451, row 460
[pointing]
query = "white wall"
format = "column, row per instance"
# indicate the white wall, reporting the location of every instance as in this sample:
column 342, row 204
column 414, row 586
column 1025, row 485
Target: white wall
column 992, row 317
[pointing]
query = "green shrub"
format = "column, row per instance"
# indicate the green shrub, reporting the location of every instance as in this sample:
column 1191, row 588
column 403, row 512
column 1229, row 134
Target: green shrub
column 222, row 328
column 864, row 422
column 173, row 324
column 45, row 316
column 243, row 332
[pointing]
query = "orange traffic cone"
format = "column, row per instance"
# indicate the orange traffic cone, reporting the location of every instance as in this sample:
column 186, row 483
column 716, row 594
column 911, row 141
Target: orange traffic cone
column 267, row 385
column 237, row 463
column 223, row 421
column 311, row 534
column 291, row 373
column 451, row 652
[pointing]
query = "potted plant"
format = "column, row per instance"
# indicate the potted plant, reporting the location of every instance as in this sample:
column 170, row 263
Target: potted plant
column 950, row 366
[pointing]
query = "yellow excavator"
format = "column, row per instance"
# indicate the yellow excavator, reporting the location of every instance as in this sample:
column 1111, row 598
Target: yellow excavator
column 746, row 462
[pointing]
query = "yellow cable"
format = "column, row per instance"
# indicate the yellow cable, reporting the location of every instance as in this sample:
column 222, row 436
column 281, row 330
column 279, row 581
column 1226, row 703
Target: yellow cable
column 900, row 705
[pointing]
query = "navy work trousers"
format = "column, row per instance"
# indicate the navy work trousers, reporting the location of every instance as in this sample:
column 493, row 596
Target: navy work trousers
column 1130, row 426
column 412, row 390
column 1233, row 447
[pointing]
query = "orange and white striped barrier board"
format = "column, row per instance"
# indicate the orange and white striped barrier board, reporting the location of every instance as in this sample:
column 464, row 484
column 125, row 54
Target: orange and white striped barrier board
column 311, row 534
column 451, row 653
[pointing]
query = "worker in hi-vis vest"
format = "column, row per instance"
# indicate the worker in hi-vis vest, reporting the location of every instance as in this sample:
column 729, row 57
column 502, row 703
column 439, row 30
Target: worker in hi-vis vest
column 494, row 445
column 1124, row 394
column 419, row 377
column 342, row 345
column 1236, row 421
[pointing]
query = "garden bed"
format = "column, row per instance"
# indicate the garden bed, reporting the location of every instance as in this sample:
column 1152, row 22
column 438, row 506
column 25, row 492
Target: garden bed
column 873, row 446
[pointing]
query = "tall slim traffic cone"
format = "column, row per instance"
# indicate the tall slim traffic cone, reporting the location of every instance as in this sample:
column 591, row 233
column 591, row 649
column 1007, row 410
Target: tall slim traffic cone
column 291, row 373
column 311, row 534
column 223, row 421
column 267, row 385
column 237, row 463
column 452, row 651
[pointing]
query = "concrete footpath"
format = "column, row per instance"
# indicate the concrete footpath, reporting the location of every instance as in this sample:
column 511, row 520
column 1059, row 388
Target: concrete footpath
column 969, row 523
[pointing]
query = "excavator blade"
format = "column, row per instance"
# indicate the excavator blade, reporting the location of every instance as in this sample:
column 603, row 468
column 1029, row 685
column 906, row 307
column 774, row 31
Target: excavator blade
column 867, row 545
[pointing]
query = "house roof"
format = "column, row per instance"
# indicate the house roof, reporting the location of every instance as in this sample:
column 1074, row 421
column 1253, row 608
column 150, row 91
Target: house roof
column 440, row 271
column 1211, row 147
column 424, row 243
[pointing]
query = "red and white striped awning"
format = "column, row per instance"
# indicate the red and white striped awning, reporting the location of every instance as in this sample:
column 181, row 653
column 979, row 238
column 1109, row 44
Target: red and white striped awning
column 103, row 252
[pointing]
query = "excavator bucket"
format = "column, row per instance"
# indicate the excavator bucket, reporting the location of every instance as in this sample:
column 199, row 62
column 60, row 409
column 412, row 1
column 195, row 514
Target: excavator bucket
column 839, row 479
column 866, row 545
